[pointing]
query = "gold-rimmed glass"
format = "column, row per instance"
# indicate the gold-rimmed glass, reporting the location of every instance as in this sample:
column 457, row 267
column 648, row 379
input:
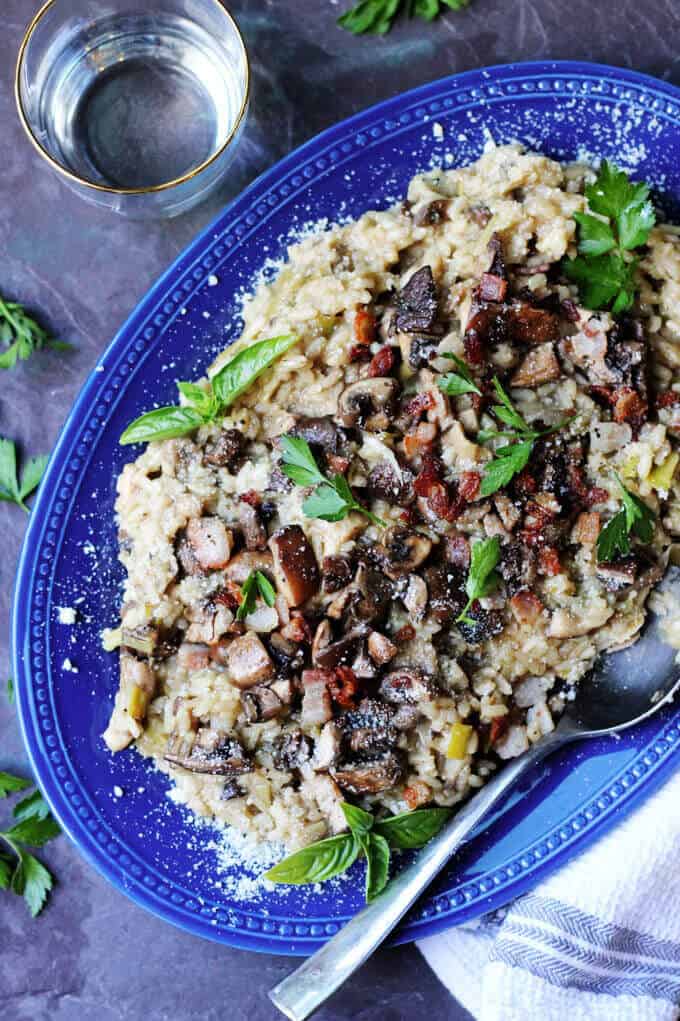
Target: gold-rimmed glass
column 137, row 104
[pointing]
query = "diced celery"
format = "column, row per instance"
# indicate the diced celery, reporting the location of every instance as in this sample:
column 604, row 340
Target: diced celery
column 458, row 742
column 661, row 477
column 629, row 467
column 137, row 703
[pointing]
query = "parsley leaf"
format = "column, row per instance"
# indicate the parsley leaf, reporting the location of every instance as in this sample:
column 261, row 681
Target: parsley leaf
column 20, row 871
column 635, row 517
column 604, row 271
column 22, row 335
column 456, row 383
column 482, row 576
column 332, row 499
column 508, row 461
column 377, row 16
column 11, row 784
column 13, row 490
column 256, row 583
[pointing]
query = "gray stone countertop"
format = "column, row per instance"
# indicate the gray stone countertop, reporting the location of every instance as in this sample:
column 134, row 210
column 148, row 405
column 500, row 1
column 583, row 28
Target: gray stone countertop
column 93, row 954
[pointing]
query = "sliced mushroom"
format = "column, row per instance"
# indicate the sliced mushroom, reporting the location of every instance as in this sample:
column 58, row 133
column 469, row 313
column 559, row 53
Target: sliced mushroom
column 323, row 636
column 369, row 728
column 207, row 751
column 540, row 365
column 406, row 717
column 254, row 532
column 408, row 686
column 261, row 703
column 370, row 777
column 336, row 572
column 368, row 403
column 619, row 574
column 342, row 652
column 248, row 661
column 374, row 596
column 244, row 563
column 211, row 542
column 232, row 789
column 403, row 551
column 417, row 303
column 225, row 451
column 288, row 657
column 208, row 622
column 486, row 624
column 446, row 593
column 295, row 567
column 415, row 597
column 292, row 749
column 318, row 432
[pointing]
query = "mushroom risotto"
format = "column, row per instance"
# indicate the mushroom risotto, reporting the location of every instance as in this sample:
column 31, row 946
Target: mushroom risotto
column 379, row 570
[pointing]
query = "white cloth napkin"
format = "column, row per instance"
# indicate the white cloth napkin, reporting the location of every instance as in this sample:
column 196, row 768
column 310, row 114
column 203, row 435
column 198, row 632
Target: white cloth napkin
column 597, row 941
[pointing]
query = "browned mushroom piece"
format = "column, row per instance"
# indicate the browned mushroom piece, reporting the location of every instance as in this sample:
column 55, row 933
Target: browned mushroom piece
column 618, row 574
column 225, row 451
column 445, row 586
column 341, row 652
column 292, row 749
column 209, row 621
column 261, row 703
column 403, row 551
column 336, row 572
column 380, row 648
column 373, row 596
column 370, row 777
column 295, row 568
column 417, row 305
column 248, row 661
column 408, row 686
column 368, row 403
column 540, row 365
column 317, row 707
column 323, row 636
column 369, row 728
column 211, row 542
column 254, row 532
column 207, row 751
column 244, row 563
column 363, row 666
column 415, row 597
column 232, row 789
column 385, row 484
column 288, row 656
column 318, row 432
column 406, row 717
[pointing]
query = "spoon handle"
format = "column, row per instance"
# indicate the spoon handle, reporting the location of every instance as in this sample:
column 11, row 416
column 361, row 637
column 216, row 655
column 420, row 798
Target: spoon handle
column 310, row 985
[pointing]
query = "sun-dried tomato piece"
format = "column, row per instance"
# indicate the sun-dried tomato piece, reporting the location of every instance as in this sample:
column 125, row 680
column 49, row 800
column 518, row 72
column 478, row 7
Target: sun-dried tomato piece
column 596, row 494
column 525, row 483
column 345, row 687
column 419, row 404
column 251, row 497
column 382, row 362
column 468, row 485
column 473, row 347
column 549, row 561
column 499, row 726
column 431, row 474
column 405, row 634
column 630, row 408
column 337, row 464
column 359, row 353
column 365, row 326
column 667, row 399
column 603, row 394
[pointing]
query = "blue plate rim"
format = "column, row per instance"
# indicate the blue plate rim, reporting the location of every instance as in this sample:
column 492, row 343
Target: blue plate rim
column 615, row 800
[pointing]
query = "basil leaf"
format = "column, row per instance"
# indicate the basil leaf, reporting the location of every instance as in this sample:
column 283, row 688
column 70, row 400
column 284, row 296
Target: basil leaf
column 413, row 829
column 248, row 596
column 200, row 400
column 162, row 424
column 267, row 590
column 241, row 372
column 10, row 784
column 318, row 862
column 377, row 865
column 359, row 821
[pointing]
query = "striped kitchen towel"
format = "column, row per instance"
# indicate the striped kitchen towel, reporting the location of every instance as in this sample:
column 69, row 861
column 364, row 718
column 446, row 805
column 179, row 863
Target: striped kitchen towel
column 597, row 941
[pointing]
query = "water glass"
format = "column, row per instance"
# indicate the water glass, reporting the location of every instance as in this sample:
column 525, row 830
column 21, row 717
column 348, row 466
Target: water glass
column 137, row 104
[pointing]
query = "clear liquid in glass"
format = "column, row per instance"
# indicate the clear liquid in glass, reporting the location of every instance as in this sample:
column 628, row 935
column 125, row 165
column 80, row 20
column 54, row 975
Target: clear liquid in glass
column 137, row 100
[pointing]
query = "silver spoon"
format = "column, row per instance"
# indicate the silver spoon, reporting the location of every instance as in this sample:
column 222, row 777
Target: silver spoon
column 625, row 688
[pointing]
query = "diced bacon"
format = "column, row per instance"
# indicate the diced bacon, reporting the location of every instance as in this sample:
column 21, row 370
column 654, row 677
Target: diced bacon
column 297, row 629
column 549, row 561
column 252, row 497
column 457, row 550
column 405, row 634
column 345, row 687
column 492, row 287
column 499, row 726
column 338, row 465
column 596, row 494
column 667, row 399
column 468, row 486
column 421, row 438
column 474, row 348
column 248, row 661
column 419, row 404
column 526, row 607
column 587, row 528
column 364, row 326
column 211, row 542
column 525, row 483
column 382, row 362
column 317, row 708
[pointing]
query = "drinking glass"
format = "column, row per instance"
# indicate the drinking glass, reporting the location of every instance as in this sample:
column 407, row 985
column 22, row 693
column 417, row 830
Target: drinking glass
column 137, row 104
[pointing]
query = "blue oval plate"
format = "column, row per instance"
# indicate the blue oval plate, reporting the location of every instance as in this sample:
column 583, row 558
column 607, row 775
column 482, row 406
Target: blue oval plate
column 142, row 842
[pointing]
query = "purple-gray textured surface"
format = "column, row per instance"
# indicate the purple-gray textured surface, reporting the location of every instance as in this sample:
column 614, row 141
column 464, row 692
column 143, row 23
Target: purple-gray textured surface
column 93, row 954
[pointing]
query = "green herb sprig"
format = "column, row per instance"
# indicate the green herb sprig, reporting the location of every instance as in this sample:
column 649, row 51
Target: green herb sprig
column 456, row 383
column 12, row 488
column 332, row 498
column 205, row 404
column 605, row 270
column 368, row 837
column 511, row 459
column 256, row 583
column 635, row 518
column 482, row 577
column 21, row 335
column 377, row 16
column 32, row 826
